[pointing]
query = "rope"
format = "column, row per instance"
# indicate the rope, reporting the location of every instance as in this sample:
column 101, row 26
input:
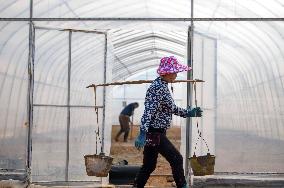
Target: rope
column 97, row 132
column 198, row 131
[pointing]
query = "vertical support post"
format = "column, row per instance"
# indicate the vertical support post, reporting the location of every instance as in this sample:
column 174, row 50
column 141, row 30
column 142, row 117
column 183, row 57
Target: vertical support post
column 30, row 93
column 68, row 109
column 104, row 96
column 215, row 93
column 189, row 94
column 189, row 103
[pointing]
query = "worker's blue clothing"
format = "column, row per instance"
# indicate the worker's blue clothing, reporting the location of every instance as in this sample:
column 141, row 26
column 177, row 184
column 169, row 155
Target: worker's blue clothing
column 124, row 119
column 128, row 110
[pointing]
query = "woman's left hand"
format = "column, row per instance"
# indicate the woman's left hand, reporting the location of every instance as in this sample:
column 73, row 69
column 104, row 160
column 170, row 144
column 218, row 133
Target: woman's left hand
column 140, row 140
column 195, row 112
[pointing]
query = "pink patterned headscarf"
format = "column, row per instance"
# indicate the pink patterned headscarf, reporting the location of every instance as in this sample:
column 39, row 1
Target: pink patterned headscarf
column 171, row 65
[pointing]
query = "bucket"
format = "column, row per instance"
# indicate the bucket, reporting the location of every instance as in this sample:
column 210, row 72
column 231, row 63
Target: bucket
column 202, row 165
column 98, row 165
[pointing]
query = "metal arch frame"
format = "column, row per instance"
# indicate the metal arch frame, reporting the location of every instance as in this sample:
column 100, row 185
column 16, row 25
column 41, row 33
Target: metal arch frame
column 121, row 72
column 147, row 45
column 141, row 60
column 132, row 48
column 129, row 42
column 136, row 61
column 120, row 78
column 247, row 78
column 258, row 49
column 146, row 36
column 150, row 49
column 122, row 33
column 139, row 33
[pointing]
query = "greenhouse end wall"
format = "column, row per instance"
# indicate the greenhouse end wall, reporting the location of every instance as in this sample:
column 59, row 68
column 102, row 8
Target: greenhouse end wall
column 43, row 82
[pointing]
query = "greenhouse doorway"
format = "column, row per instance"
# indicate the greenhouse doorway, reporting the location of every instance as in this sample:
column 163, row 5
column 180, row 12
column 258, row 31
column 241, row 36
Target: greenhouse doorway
column 63, row 109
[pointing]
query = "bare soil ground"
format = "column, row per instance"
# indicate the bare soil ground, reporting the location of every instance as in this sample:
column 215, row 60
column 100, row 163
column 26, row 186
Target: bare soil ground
column 162, row 176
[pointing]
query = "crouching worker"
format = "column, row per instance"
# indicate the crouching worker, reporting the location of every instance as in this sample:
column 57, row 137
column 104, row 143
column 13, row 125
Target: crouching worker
column 124, row 119
column 159, row 107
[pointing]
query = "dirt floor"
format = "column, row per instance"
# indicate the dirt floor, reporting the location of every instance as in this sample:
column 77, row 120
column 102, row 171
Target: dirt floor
column 162, row 176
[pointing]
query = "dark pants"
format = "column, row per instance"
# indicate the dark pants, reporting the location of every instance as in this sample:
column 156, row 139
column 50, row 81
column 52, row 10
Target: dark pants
column 167, row 150
column 124, row 127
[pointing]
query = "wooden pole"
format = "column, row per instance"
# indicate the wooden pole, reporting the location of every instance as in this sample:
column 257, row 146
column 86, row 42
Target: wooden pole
column 140, row 82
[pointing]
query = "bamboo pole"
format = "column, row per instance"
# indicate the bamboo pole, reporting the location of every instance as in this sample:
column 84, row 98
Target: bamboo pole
column 139, row 82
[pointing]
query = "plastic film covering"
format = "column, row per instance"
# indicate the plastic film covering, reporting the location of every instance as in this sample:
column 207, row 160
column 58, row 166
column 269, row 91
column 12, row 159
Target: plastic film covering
column 50, row 115
column 49, row 144
column 243, row 110
column 50, row 69
column 238, row 9
column 87, row 67
column 144, row 9
column 15, row 9
column 137, row 50
column 249, row 131
column 88, row 53
column 111, row 8
column 14, row 42
column 83, row 140
column 204, row 68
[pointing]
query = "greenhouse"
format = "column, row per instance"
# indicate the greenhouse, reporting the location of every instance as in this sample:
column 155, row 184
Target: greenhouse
column 70, row 68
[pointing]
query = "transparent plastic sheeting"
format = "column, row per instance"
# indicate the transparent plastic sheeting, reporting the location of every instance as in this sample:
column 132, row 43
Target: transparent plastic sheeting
column 51, row 67
column 204, row 68
column 238, row 9
column 249, row 132
column 135, row 51
column 49, row 147
column 111, row 8
column 50, row 158
column 14, row 42
column 15, row 9
column 144, row 9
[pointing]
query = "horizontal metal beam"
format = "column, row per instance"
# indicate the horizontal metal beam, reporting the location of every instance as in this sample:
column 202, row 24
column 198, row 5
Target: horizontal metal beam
column 67, row 183
column 5, row 170
column 142, row 19
column 71, row 106
column 69, row 29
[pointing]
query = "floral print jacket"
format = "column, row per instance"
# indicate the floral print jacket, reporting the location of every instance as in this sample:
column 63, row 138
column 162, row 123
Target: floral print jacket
column 159, row 106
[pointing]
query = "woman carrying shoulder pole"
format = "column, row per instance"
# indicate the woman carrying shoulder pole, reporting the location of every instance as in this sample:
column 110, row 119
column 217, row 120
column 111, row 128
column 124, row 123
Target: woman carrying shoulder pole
column 156, row 119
